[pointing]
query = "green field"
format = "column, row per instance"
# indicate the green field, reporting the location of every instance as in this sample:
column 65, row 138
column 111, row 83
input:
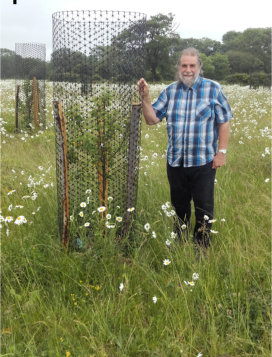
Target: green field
column 104, row 301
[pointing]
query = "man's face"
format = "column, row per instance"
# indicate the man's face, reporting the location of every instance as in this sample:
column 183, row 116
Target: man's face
column 189, row 70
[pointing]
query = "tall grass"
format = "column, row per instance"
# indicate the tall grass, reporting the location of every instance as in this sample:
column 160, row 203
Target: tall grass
column 59, row 304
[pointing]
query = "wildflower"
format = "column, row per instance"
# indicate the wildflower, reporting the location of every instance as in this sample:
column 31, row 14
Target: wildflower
column 131, row 209
column 212, row 221
column 108, row 216
column 146, row 136
column 119, row 219
column 121, row 286
column 223, row 220
column 83, row 204
column 154, row 235
column 147, row 227
column 168, row 242
column 166, row 262
column 191, row 283
column 11, row 192
column 88, row 191
column 20, row 220
column 71, row 218
column 10, row 207
column 154, row 299
column 110, row 198
column 195, row 276
column 68, row 354
column 19, row 206
column 173, row 235
column 266, row 180
column 87, row 224
column 81, row 214
column 101, row 209
column 8, row 219
column 199, row 354
column 183, row 227
column 110, row 226
column 214, row 232
column 40, row 168
column 206, row 217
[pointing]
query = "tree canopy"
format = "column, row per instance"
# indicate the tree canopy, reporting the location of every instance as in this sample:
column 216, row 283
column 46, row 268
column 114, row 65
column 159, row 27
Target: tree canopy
column 247, row 52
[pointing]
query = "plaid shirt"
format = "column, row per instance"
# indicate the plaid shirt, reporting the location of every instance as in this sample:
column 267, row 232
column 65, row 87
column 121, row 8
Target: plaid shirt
column 192, row 116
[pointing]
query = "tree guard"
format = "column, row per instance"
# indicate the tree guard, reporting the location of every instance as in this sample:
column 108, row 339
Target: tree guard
column 98, row 57
column 30, row 103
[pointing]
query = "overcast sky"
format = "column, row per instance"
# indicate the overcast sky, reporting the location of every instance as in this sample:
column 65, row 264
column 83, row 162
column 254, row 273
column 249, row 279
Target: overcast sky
column 31, row 20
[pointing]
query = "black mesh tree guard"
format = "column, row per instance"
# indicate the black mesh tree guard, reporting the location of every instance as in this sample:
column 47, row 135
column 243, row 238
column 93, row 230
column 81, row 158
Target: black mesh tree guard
column 30, row 103
column 98, row 57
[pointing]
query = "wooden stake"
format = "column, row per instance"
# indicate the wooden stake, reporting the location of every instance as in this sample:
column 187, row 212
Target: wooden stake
column 61, row 122
column 17, row 108
column 35, row 103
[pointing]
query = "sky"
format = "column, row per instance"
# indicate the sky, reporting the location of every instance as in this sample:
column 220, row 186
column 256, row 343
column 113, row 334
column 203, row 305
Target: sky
column 30, row 21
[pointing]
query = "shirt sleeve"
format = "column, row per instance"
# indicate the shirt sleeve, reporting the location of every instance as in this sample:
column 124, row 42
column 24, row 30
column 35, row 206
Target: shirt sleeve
column 222, row 108
column 161, row 104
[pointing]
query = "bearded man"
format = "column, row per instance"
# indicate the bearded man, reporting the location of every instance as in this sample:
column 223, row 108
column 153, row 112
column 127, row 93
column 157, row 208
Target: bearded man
column 197, row 115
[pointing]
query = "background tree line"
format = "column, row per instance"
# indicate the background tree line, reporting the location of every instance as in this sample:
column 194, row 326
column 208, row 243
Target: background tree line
column 241, row 57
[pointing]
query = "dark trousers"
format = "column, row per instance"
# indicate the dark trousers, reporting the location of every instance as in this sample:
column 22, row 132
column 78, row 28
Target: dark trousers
column 197, row 184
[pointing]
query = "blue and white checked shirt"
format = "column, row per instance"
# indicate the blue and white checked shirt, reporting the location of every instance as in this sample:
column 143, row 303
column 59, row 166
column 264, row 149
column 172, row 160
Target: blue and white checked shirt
column 192, row 116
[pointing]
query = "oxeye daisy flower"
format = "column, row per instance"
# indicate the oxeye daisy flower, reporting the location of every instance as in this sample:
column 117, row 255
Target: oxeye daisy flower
column 214, row 232
column 154, row 299
column 83, row 204
column 108, row 216
column 81, row 214
column 168, row 242
column 121, row 286
column 101, row 209
column 154, row 235
column 119, row 219
column 110, row 198
column 131, row 209
column 173, row 235
column 147, row 227
column 183, row 227
column 166, row 262
column 206, row 217
column 195, row 276
column 11, row 192
column 20, row 220
column 8, row 219
column 87, row 224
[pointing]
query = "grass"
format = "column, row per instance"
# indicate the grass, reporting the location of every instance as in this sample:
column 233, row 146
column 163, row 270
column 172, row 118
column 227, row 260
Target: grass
column 59, row 304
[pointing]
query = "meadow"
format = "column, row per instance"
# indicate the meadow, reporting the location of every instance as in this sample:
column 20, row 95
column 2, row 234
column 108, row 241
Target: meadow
column 157, row 298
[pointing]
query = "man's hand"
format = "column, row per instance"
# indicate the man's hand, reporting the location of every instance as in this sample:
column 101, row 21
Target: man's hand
column 219, row 160
column 143, row 88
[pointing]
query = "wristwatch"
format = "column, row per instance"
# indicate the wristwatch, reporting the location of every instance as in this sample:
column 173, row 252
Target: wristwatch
column 223, row 151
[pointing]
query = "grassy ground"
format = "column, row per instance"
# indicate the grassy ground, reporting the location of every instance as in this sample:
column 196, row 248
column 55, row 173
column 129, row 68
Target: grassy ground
column 102, row 302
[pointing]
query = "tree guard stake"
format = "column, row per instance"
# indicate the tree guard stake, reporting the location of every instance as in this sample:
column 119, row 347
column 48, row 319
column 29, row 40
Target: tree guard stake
column 17, row 108
column 132, row 161
column 61, row 132
column 35, row 103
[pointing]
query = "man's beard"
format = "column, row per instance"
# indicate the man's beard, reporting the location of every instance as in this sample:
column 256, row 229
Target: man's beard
column 188, row 81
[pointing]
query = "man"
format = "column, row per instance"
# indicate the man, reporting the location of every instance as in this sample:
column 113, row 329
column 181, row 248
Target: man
column 197, row 114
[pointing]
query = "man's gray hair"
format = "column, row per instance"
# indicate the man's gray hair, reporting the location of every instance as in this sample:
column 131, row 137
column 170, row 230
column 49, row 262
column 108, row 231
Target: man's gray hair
column 191, row 51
